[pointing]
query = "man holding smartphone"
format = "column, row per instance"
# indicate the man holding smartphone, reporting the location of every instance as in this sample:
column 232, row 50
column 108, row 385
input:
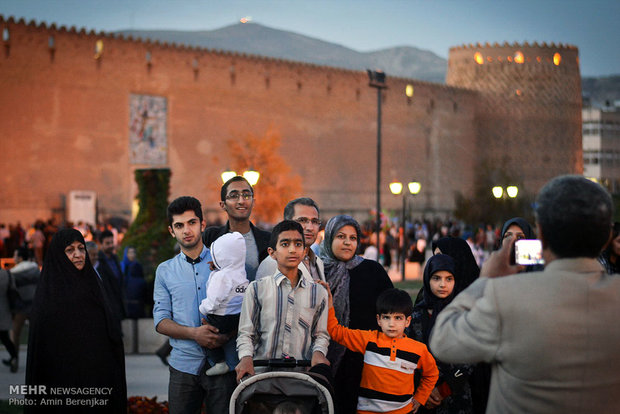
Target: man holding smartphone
column 550, row 336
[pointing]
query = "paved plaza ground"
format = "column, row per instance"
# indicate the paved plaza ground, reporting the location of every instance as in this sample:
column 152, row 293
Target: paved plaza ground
column 146, row 376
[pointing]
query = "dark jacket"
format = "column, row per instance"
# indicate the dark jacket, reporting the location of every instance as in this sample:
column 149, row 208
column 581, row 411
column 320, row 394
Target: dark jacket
column 261, row 237
column 114, row 286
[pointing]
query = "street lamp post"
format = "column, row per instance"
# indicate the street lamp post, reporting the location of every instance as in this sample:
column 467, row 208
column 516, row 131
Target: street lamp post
column 396, row 188
column 250, row 175
column 510, row 192
column 377, row 80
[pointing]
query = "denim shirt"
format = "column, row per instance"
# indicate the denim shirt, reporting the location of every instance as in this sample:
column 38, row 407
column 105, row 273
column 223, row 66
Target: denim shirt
column 179, row 289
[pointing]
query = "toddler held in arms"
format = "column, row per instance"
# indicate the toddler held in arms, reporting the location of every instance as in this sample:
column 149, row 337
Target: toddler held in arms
column 225, row 289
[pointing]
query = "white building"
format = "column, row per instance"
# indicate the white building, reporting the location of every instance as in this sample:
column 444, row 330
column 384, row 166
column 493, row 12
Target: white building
column 601, row 146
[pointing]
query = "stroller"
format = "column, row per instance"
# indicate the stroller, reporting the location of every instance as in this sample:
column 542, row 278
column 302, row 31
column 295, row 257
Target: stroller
column 282, row 391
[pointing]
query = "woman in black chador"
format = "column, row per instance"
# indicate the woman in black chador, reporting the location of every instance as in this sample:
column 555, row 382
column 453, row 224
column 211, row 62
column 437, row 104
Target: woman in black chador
column 74, row 341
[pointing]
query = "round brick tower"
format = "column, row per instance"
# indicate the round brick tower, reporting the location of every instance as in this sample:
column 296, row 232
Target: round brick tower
column 529, row 109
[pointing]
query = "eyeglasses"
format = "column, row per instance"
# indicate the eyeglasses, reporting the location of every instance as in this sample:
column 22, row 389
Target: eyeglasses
column 306, row 220
column 234, row 195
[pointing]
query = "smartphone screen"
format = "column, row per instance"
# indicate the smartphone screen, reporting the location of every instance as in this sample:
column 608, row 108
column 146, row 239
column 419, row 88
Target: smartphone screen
column 528, row 252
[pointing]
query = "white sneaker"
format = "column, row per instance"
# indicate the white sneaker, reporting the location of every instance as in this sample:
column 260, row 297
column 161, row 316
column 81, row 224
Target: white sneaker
column 218, row 369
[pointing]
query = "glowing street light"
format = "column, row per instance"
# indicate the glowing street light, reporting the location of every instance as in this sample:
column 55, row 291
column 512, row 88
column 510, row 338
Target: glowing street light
column 252, row 177
column 227, row 175
column 396, row 187
column 414, row 187
column 497, row 192
column 512, row 191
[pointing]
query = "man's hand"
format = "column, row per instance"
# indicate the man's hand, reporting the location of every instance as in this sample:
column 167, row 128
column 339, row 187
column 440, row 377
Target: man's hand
column 498, row 263
column 209, row 336
column 244, row 367
column 329, row 293
column 434, row 400
column 416, row 406
column 318, row 358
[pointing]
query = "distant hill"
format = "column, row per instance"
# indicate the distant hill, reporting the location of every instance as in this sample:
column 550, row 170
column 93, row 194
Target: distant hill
column 403, row 61
column 256, row 39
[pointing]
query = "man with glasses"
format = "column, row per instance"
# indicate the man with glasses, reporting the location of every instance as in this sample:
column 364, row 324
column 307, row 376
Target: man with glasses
column 237, row 200
column 306, row 212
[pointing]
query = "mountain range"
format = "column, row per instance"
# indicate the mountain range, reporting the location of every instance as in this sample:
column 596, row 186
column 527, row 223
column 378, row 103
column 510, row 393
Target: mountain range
column 400, row 61
column 256, row 39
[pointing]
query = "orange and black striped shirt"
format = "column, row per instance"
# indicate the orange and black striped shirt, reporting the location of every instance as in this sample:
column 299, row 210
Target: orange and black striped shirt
column 389, row 365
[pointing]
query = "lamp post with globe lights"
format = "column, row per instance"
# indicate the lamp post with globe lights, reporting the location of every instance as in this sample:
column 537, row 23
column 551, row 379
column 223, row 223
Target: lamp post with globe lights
column 376, row 80
column 396, row 188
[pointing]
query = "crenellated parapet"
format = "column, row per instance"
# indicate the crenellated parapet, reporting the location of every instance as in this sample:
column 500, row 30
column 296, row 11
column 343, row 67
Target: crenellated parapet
column 529, row 102
column 19, row 36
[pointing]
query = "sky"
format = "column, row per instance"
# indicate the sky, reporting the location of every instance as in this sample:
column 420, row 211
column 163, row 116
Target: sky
column 364, row 25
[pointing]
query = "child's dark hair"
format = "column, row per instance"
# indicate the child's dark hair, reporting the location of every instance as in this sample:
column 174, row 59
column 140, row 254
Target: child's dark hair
column 285, row 225
column 181, row 205
column 394, row 301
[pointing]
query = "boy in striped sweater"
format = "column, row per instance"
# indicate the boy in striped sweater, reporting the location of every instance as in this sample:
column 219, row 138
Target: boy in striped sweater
column 390, row 357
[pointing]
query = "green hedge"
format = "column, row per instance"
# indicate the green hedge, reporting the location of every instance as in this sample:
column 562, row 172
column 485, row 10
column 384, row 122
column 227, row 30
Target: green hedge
column 149, row 231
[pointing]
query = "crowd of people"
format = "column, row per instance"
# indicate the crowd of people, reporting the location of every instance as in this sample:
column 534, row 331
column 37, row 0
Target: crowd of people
column 472, row 340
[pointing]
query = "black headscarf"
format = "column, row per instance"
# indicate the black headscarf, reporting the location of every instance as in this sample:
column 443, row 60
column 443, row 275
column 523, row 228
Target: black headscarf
column 465, row 267
column 74, row 340
column 523, row 225
column 429, row 300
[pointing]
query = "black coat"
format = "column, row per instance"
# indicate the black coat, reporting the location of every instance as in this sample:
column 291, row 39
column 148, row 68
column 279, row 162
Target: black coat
column 74, row 340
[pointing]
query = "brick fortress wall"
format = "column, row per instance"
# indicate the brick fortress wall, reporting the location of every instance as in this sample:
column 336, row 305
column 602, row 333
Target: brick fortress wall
column 528, row 113
column 64, row 123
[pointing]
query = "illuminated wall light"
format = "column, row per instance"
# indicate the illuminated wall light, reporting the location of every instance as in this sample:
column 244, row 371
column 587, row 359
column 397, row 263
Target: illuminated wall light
column 519, row 58
column 409, row 91
column 499, row 59
column 489, row 58
column 509, row 58
column 518, row 92
column 98, row 49
column 538, row 59
column 478, row 58
column 557, row 58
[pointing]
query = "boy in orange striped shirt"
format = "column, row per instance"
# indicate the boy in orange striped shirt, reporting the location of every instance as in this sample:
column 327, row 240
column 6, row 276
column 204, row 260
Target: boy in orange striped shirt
column 390, row 357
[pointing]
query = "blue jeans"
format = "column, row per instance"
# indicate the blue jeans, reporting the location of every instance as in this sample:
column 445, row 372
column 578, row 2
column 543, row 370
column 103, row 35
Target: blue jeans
column 187, row 392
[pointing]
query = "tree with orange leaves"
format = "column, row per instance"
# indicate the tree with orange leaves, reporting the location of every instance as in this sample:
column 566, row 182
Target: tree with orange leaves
column 277, row 185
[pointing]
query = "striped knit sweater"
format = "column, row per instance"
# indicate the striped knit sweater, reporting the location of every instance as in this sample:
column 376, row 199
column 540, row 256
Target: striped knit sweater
column 389, row 365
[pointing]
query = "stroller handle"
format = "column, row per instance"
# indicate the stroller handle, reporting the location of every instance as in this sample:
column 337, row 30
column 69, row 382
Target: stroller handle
column 282, row 363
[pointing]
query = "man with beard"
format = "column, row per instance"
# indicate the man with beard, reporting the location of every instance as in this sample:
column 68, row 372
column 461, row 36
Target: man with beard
column 179, row 289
